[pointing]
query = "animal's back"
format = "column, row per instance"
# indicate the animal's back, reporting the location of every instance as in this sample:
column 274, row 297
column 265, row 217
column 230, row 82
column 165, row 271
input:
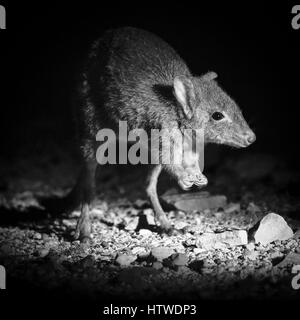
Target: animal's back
column 130, row 74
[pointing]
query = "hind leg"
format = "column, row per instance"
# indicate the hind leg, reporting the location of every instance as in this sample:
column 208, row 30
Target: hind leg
column 152, row 194
column 86, row 192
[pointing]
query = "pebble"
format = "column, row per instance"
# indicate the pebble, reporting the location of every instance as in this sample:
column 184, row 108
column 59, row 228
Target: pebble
column 140, row 251
column 216, row 240
column 220, row 245
column 75, row 214
column 250, row 246
column 88, row 261
column 271, row 228
column 219, row 214
column 125, row 259
column 232, row 207
column 179, row 225
column 69, row 223
column 43, row 252
column 199, row 250
column 184, row 270
column 104, row 244
column 37, row 236
column 145, row 233
column 251, row 255
column 46, row 237
column 161, row 253
column 132, row 225
column 180, row 259
column 157, row 265
column 140, row 203
column 196, row 201
column 148, row 211
column 97, row 213
column 276, row 255
column 150, row 217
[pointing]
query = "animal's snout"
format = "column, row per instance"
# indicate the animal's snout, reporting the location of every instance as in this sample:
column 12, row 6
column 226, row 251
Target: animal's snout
column 250, row 137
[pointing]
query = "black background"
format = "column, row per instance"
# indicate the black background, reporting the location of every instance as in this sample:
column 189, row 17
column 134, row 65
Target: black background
column 252, row 47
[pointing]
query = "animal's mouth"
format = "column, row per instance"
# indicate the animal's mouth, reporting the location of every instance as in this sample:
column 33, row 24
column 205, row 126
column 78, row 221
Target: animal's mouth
column 238, row 142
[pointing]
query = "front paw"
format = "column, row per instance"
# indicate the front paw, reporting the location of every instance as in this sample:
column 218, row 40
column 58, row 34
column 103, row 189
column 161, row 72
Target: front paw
column 192, row 177
column 201, row 180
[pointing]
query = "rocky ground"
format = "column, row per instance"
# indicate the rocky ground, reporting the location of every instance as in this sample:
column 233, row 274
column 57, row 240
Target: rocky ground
column 220, row 248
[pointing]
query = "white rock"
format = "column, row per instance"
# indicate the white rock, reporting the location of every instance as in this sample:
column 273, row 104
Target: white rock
column 271, row 228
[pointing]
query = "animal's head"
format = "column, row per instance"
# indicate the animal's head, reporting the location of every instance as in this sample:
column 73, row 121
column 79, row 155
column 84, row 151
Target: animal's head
column 206, row 105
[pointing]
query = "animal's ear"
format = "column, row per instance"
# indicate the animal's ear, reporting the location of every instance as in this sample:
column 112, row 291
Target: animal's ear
column 209, row 76
column 185, row 94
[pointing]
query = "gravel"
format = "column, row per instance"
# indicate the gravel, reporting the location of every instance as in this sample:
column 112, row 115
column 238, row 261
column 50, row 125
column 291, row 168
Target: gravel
column 130, row 257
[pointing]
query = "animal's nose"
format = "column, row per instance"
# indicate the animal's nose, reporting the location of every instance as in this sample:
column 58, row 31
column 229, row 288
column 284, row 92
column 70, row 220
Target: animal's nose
column 250, row 137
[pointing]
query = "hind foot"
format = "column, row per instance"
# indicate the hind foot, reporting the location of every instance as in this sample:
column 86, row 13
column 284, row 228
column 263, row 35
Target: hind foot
column 83, row 228
column 165, row 224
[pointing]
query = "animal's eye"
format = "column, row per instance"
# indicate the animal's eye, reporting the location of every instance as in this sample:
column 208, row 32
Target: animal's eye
column 217, row 116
